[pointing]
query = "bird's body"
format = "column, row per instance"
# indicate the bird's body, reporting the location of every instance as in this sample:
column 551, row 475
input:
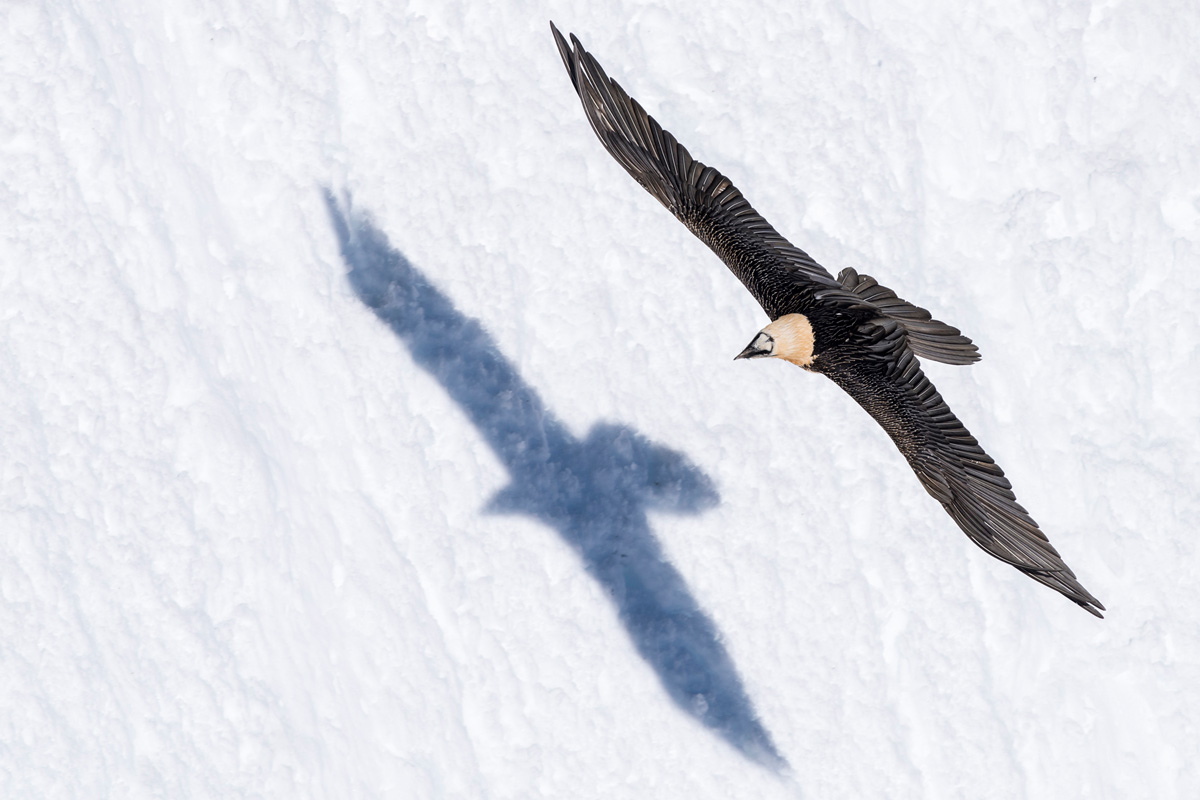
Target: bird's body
column 850, row 329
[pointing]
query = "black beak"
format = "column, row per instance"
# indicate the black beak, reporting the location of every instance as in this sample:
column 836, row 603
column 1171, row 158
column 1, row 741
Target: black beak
column 753, row 350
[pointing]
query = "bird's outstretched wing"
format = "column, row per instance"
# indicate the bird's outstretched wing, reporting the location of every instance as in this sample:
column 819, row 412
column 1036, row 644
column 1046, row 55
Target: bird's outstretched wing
column 880, row 372
column 774, row 270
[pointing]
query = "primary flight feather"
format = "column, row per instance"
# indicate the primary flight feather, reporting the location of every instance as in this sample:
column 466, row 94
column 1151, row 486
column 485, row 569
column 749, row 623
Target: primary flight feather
column 851, row 329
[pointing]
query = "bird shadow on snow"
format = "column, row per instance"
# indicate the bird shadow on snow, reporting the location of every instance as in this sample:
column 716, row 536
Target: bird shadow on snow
column 594, row 492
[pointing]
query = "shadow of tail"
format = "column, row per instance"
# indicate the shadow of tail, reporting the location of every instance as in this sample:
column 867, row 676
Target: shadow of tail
column 595, row 492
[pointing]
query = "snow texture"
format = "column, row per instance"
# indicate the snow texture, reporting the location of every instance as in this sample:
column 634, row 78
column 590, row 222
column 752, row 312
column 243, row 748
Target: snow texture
column 367, row 432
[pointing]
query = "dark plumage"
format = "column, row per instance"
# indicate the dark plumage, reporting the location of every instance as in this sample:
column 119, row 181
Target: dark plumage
column 864, row 338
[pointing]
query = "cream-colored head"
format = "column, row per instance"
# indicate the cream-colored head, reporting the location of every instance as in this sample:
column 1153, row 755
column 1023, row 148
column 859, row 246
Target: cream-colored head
column 790, row 337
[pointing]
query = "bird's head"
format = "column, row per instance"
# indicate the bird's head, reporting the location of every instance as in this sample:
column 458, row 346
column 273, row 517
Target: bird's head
column 790, row 337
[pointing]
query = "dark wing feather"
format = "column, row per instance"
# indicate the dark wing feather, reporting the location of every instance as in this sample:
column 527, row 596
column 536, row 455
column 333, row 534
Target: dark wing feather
column 774, row 271
column 881, row 373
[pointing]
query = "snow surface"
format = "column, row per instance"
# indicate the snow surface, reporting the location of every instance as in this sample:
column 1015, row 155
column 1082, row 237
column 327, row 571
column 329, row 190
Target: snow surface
column 367, row 432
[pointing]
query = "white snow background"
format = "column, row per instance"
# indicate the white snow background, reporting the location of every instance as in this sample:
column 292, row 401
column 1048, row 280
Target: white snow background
column 529, row 530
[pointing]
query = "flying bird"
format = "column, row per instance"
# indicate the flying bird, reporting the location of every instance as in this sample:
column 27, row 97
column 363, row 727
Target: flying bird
column 851, row 329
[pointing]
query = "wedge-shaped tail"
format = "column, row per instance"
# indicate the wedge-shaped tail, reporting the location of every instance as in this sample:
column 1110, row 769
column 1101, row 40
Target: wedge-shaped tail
column 927, row 337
